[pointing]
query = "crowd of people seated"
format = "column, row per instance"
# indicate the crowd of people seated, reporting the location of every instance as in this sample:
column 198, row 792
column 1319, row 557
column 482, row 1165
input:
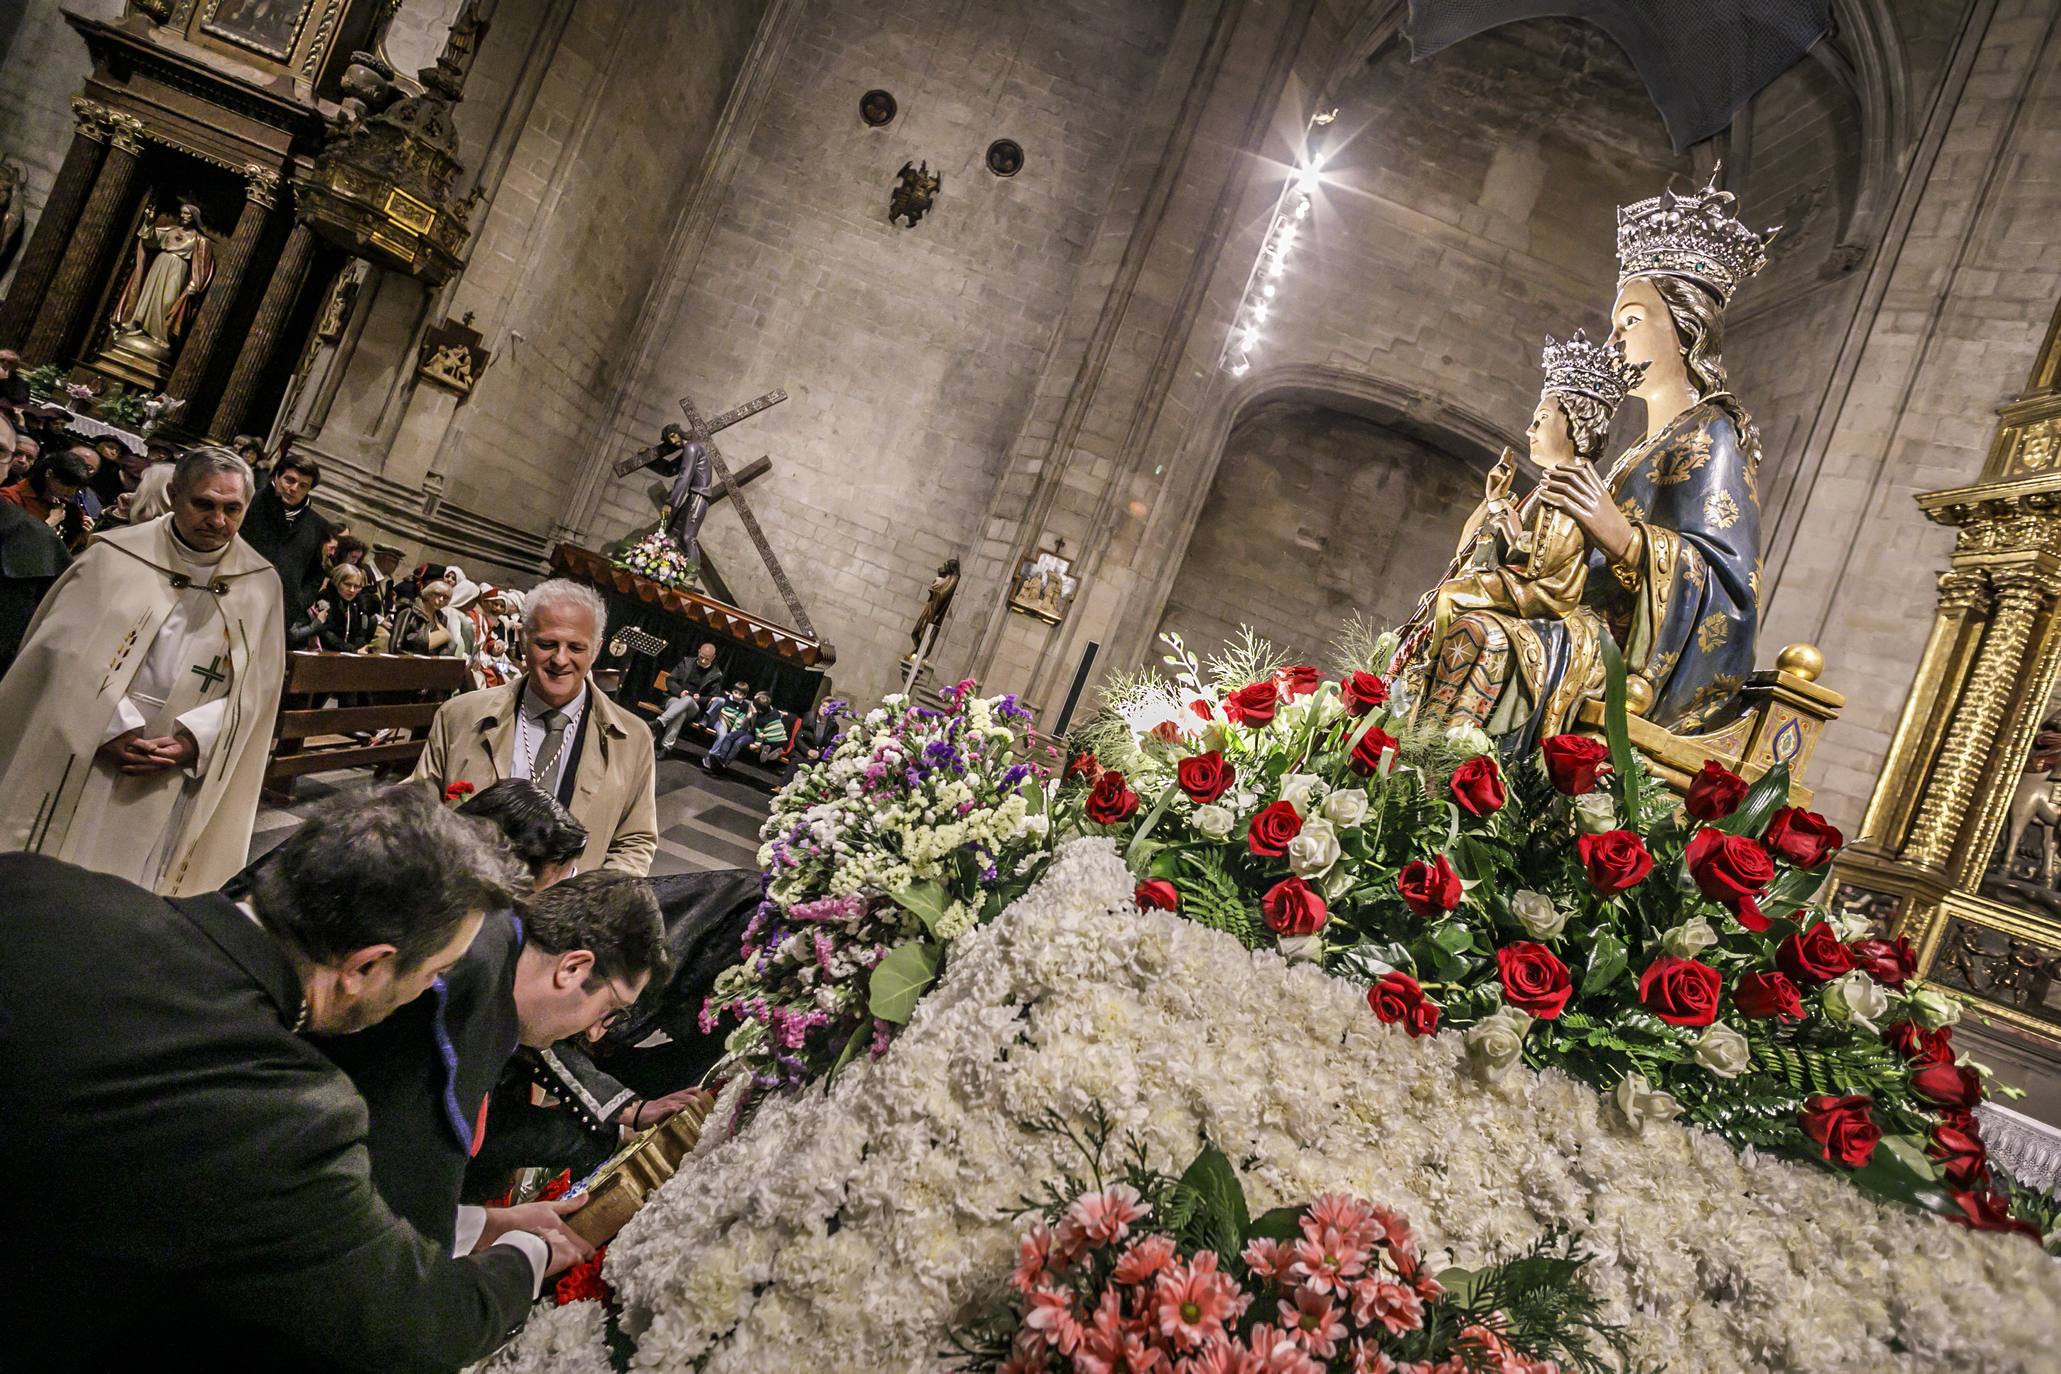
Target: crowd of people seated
column 743, row 723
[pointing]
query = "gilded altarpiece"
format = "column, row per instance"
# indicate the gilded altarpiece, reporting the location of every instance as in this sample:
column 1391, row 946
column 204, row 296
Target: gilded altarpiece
column 1958, row 848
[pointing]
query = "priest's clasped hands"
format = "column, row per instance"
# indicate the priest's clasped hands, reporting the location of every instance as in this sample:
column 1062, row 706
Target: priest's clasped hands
column 135, row 755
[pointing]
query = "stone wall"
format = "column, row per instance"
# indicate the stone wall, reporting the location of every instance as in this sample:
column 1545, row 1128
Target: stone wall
column 1316, row 516
column 42, row 66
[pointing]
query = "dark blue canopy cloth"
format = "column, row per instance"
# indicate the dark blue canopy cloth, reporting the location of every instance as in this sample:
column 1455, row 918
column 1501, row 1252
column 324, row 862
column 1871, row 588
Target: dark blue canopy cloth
column 1701, row 60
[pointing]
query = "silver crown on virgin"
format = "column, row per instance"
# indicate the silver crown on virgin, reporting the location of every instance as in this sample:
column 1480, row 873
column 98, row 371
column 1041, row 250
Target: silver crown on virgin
column 1595, row 370
column 1694, row 236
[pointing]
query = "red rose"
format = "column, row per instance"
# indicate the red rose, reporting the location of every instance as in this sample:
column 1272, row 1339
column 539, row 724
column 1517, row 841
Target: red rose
column 1430, row 889
column 1083, row 767
column 1533, row 979
column 1112, row 801
column 1614, row 860
column 1804, row 838
column 1254, row 704
column 1714, row 793
column 458, row 791
column 1845, row 1131
column 1362, row 692
column 1990, row 1212
column 1919, row 1045
column 1157, row 894
column 1397, row 997
column 1293, row 907
column 1732, row 871
column 1478, row 787
column 1761, row 995
column 1205, row 777
column 1298, row 680
column 1813, row 956
column 1366, row 755
column 1961, row 1156
column 1573, row 761
column 1889, row 962
column 1681, row 992
column 1948, row 1085
column 1272, row 829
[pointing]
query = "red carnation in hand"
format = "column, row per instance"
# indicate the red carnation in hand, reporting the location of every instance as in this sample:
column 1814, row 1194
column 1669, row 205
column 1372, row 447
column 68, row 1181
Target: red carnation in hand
column 1681, row 992
column 1397, row 997
column 1573, row 761
column 1715, row 793
column 582, row 1282
column 1919, row 1045
column 1990, row 1211
column 1732, row 871
column 1205, row 777
column 1366, row 755
column 1813, row 956
column 1272, row 829
column 1804, row 838
column 1961, row 1155
column 1112, row 802
column 1157, row 894
column 1889, row 962
column 1253, row 704
column 1533, row 979
column 1293, row 907
column 1762, row 995
column 1298, row 680
column 1845, row 1131
column 458, row 792
column 1362, row 692
column 1431, row 889
column 1948, row 1085
column 1614, row 860
column 1478, row 786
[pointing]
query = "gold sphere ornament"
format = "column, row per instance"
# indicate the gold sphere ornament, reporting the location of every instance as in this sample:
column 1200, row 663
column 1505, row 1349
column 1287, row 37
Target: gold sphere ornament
column 1638, row 695
column 1802, row 660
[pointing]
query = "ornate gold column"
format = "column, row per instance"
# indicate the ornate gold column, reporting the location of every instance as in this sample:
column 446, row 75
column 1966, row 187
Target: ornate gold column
column 261, row 194
column 55, row 225
column 288, row 276
column 57, row 319
column 1964, row 598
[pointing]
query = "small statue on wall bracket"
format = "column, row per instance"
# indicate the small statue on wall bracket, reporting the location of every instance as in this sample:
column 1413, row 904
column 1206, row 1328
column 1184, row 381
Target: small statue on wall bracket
column 915, row 191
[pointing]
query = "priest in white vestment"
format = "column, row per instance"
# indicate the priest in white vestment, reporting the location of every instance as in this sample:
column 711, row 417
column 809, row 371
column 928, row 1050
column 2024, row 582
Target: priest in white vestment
column 135, row 723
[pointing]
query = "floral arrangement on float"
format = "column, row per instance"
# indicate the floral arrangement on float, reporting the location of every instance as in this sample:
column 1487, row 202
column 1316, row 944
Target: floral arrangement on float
column 1130, row 1268
column 1562, row 910
column 659, row 559
column 920, row 825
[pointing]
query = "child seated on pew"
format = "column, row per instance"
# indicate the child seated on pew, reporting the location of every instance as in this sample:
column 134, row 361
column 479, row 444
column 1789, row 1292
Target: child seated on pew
column 733, row 717
column 765, row 732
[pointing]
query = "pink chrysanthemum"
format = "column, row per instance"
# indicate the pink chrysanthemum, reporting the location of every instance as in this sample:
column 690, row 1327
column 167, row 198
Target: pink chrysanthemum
column 1274, row 1351
column 1396, row 1307
column 1313, row 1321
column 1100, row 1218
column 1051, row 1315
column 1369, row 1358
column 1111, row 1345
column 1328, row 1262
column 1353, row 1218
column 1396, row 1229
column 1268, row 1259
column 1147, row 1256
column 1191, row 1302
column 1033, row 1256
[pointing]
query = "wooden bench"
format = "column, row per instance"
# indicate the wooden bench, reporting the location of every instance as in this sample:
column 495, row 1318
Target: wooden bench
column 396, row 691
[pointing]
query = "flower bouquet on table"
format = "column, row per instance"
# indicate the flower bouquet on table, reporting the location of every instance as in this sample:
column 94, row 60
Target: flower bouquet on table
column 658, row 558
column 1131, row 1269
column 1561, row 909
column 919, row 826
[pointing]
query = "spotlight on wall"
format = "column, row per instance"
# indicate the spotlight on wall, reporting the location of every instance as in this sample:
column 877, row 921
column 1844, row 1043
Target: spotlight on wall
column 1291, row 211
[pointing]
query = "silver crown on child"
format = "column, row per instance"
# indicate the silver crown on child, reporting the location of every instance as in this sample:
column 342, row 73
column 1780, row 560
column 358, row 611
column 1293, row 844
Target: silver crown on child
column 1694, row 236
column 1595, row 370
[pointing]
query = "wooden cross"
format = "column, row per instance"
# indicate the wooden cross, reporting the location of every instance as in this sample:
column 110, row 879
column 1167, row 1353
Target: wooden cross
column 697, row 428
column 211, row 674
column 645, row 457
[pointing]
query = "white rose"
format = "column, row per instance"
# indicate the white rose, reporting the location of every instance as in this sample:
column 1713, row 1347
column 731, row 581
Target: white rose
column 1346, row 809
column 1313, row 850
column 1214, row 822
column 1641, row 1102
column 1933, row 1008
column 1689, row 938
column 1595, row 813
column 1851, row 926
column 1722, row 1051
column 1470, row 738
column 1495, row 1045
column 1537, row 914
column 1300, row 790
column 1856, row 997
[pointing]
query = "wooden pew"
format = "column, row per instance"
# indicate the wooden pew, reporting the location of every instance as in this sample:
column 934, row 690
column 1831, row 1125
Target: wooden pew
column 399, row 692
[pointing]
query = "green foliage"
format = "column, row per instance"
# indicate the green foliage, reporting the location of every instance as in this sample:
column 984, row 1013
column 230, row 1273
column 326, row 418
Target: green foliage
column 900, row 980
column 1248, row 658
column 1211, row 897
column 1361, row 647
column 47, row 380
column 1539, row 1302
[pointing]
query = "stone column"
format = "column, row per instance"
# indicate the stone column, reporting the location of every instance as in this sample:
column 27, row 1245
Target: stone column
column 72, row 291
column 55, row 225
column 261, row 193
column 288, row 275
column 1965, row 756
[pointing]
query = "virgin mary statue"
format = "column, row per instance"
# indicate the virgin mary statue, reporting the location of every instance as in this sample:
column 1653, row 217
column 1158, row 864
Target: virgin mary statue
column 162, row 286
column 1672, row 529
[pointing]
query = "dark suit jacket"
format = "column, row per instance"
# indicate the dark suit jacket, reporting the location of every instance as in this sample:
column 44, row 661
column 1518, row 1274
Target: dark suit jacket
column 186, row 1167
column 31, row 557
column 294, row 548
column 418, row 1154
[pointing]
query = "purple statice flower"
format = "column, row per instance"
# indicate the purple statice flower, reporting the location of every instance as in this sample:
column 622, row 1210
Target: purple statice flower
column 883, row 1032
column 1014, row 774
column 707, row 1017
column 828, row 910
column 824, row 949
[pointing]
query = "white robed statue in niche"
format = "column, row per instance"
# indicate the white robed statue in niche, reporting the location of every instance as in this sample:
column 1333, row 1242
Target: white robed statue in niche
column 172, row 267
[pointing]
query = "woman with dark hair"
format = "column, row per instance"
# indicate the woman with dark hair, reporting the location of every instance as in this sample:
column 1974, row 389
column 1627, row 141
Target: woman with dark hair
column 542, row 833
column 1672, row 529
